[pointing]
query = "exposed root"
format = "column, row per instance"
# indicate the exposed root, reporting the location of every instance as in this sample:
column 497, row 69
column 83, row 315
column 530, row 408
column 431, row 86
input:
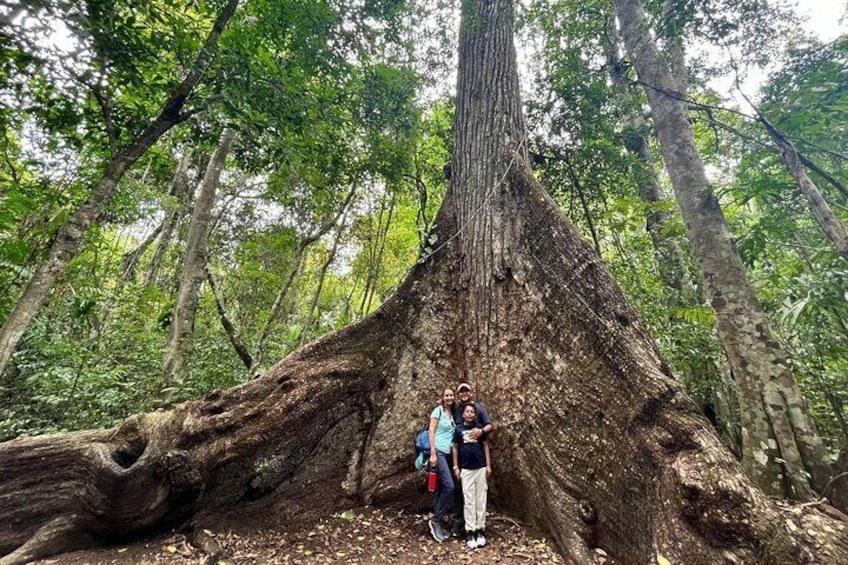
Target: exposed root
column 60, row 535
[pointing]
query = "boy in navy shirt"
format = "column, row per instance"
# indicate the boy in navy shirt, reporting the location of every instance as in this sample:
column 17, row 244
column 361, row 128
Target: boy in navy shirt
column 472, row 464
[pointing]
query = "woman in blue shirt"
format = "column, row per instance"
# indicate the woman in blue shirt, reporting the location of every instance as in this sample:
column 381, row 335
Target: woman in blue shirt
column 441, row 435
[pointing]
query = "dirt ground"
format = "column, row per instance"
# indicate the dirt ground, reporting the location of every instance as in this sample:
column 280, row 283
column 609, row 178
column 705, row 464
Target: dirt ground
column 360, row 535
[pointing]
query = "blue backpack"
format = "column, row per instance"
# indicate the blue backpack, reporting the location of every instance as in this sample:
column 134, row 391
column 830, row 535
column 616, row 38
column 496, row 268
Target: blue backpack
column 422, row 446
column 422, row 441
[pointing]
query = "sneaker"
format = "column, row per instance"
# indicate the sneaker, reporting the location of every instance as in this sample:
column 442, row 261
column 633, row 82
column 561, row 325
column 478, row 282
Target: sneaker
column 481, row 538
column 436, row 530
column 444, row 533
column 472, row 541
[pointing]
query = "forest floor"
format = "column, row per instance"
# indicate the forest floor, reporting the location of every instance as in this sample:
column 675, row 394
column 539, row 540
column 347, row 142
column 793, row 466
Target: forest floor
column 361, row 535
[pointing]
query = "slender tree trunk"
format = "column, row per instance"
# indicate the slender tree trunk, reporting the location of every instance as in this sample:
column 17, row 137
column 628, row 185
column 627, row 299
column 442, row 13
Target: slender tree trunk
column 129, row 260
column 279, row 301
column 832, row 226
column 378, row 247
column 72, row 233
column 277, row 308
column 175, row 366
column 584, row 204
column 331, row 256
column 596, row 443
column 667, row 253
column 229, row 328
column 782, row 451
column 179, row 190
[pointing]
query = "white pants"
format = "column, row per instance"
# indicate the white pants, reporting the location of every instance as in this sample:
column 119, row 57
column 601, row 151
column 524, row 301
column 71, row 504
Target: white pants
column 474, row 489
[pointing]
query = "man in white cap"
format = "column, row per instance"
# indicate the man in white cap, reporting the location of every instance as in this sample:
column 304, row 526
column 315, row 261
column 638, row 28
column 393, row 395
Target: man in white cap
column 465, row 396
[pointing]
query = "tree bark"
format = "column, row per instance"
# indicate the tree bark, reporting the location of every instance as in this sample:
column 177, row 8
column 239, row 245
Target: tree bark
column 667, row 253
column 782, row 451
column 596, row 443
column 175, row 367
column 72, row 233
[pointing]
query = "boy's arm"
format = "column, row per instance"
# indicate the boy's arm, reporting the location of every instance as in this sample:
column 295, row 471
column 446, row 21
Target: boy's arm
column 455, row 450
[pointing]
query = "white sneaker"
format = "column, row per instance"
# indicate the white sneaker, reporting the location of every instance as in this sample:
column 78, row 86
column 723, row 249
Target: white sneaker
column 481, row 539
column 472, row 541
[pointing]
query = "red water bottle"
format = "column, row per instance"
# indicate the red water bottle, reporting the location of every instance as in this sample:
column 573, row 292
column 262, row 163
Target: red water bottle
column 431, row 479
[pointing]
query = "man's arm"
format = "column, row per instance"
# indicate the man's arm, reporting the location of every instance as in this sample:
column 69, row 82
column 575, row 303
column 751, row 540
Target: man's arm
column 455, row 450
column 483, row 417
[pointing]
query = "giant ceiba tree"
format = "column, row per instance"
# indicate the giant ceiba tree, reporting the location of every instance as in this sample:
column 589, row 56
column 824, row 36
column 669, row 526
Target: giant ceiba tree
column 596, row 440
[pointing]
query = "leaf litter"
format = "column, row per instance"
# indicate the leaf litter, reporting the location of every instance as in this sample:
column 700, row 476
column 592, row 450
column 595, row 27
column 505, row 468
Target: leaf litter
column 357, row 536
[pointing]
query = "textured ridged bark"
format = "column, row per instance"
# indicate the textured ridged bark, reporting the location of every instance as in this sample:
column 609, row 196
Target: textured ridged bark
column 175, row 367
column 595, row 442
column 782, row 452
column 72, row 233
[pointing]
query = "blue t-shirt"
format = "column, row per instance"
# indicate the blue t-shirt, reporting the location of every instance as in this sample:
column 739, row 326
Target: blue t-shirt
column 471, row 452
column 444, row 429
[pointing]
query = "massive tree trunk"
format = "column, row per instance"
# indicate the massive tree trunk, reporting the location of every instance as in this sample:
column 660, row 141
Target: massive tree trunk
column 596, row 442
column 72, row 233
column 181, row 335
column 781, row 449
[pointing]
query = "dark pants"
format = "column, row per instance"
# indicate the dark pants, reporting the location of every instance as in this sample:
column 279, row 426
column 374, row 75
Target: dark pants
column 445, row 491
column 458, row 508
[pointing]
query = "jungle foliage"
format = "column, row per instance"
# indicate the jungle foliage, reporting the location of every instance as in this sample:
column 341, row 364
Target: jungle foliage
column 332, row 97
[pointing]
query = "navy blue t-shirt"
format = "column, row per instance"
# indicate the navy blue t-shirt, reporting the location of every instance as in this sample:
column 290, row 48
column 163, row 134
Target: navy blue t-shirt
column 471, row 453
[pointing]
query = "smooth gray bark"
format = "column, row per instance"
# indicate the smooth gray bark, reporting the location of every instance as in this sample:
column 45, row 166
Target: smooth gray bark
column 782, row 451
column 175, row 364
column 831, row 225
